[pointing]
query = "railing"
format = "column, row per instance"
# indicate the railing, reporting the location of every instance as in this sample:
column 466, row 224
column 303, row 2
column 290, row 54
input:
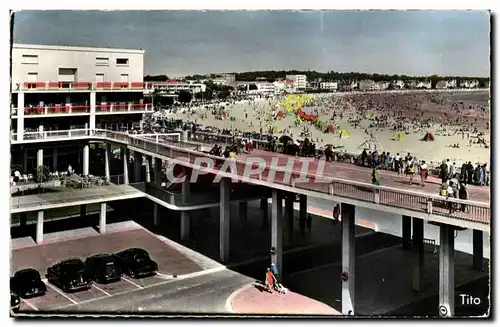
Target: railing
column 121, row 107
column 388, row 196
column 80, row 86
column 397, row 198
column 53, row 135
column 83, row 190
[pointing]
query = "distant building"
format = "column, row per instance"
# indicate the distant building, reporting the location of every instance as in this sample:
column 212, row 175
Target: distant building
column 469, row 84
column 229, row 78
column 383, row 85
column 411, row 84
column 285, row 85
column 451, row 84
column 441, row 85
column 173, row 86
column 424, row 85
column 300, row 81
column 366, row 85
column 399, row 84
column 330, row 86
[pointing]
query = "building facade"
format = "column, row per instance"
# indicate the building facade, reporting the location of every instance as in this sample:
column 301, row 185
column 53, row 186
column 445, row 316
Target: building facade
column 300, row 81
column 330, row 86
column 60, row 88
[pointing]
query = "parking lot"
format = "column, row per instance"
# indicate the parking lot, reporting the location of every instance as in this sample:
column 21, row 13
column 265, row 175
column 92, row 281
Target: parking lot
column 171, row 264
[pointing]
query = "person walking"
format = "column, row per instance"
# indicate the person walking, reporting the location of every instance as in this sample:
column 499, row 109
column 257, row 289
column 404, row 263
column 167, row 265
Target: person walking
column 423, row 172
column 269, row 280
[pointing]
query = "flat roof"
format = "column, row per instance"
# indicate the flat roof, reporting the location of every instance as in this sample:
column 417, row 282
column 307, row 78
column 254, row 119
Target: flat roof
column 74, row 48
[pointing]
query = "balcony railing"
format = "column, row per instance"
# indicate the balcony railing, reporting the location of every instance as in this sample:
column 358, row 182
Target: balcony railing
column 123, row 107
column 477, row 212
column 82, row 86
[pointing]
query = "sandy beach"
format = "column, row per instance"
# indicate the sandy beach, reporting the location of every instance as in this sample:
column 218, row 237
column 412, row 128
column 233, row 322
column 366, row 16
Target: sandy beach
column 440, row 113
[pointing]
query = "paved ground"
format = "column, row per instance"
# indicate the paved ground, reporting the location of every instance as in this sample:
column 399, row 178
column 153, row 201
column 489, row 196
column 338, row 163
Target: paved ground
column 253, row 300
column 383, row 280
column 68, row 195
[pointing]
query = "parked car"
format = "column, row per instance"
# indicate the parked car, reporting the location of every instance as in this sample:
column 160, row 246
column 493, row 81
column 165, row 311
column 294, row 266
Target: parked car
column 136, row 263
column 103, row 268
column 69, row 275
column 15, row 302
column 27, row 283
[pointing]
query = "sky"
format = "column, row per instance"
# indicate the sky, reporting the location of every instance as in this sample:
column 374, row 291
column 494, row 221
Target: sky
column 177, row 43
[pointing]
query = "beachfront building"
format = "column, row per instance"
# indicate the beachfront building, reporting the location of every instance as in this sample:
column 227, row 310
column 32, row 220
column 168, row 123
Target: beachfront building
column 398, row 85
column 469, row 84
column 229, row 78
column 329, row 86
column 424, row 85
column 383, row 85
column 285, row 85
column 443, row 84
column 172, row 87
column 300, row 81
column 366, row 85
column 72, row 89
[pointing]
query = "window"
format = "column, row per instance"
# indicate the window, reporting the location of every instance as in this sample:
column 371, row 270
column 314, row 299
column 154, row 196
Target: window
column 32, row 77
column 67, row 75
column 122, row 61
column 124, row 78
column 99, row 77
column 101, row 61
column 30, row 59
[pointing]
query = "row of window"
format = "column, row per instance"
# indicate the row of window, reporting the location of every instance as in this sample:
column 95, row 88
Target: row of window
column 99, row 61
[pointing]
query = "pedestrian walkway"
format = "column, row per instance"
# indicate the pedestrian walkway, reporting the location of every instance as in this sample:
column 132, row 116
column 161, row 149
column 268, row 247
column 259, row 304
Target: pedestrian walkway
column 253, row 300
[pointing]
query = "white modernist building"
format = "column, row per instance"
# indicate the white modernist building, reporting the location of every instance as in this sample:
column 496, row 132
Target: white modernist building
column 331, row 86
column 63, row 81
column 41, row 63
column 300, row 81
column 174, row 86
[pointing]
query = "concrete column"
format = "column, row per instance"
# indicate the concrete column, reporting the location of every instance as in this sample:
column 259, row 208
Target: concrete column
column 92, row 110
column 125, row 156
column 156, row 219
column 158, row 168
column 418, row 253
column 225, row 216
column 277, row 229
column 185, row 223
column 243, row 210
column 303, row 206
column 86, row 160
column 148, row 169
column 107, row 152
column 348, row 257
column 23, row 219
column 54, row 159
column 185, row 135
column 477, row 250
column 406, row 223
column 102, row 218
column 39, row 228
column 20, row 116
column 39, row 158
column 137, row 167
column 446, row 271
column 83, row 210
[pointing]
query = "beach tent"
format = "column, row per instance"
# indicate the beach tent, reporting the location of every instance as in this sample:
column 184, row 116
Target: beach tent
column 280, row 115
column 331, row 130
column 428, row 137
column 400, row 137
column 344, row 133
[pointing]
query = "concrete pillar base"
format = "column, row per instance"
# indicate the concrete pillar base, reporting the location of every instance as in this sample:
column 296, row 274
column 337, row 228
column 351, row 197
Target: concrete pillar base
column 86, row 160
column 277, row 230
column 156, row 220
column 225, row 217
column 406, row 232
column 446, row 271
column 418, row 253
column 185, row 226
column 477, row 250
column 102, row 218
column 39, row 228
column 348, row 258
